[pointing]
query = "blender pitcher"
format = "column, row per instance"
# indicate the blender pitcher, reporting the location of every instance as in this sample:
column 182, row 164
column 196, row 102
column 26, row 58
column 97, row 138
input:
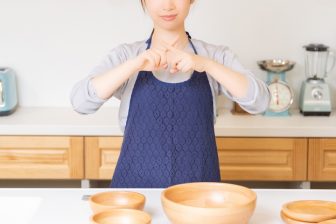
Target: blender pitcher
column 316, row 61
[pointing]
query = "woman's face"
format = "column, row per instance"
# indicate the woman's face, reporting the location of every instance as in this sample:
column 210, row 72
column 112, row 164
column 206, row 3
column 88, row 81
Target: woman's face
column 168, row 14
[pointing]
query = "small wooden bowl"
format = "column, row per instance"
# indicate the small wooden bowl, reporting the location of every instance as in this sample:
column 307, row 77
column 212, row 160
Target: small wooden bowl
column 106, row 201
column 121, row 216
column 310, row 210
column 288, row 220
column 215, row 203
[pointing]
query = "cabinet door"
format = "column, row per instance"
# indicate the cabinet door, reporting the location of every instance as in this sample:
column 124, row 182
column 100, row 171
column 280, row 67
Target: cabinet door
column 322, row 159
column 101, row 156
column 33, row 157
column 263, row 158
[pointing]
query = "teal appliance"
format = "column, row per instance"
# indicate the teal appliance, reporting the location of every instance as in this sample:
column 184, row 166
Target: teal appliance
column 315, row 93
column 281, row 93
column 8, row 91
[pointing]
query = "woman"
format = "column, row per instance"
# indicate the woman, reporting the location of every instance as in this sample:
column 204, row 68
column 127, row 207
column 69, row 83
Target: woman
column 167, row 86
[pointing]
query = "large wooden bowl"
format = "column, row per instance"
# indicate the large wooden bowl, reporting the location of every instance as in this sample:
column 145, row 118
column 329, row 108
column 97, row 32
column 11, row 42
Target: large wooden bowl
column 215, row 203
column 332, row 221
column 121, row 216
column 106, row 201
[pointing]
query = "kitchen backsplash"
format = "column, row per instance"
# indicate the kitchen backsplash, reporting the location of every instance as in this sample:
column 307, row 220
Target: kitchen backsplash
column 53, row 44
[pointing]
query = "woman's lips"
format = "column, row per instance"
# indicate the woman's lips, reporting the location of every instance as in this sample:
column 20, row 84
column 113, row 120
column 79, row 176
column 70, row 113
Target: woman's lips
column 169, row 17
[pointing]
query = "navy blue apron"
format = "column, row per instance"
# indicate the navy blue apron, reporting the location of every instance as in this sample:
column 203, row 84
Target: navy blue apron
column 169, row 134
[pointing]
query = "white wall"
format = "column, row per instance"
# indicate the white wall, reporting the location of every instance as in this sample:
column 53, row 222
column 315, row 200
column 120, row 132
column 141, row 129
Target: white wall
column 54, row 43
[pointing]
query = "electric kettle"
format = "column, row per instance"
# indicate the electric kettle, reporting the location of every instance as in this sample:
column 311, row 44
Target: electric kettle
column 8, row 91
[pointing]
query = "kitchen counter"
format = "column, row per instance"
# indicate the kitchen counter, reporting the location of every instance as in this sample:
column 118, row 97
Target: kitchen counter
column 55, row 206
column 64, row 121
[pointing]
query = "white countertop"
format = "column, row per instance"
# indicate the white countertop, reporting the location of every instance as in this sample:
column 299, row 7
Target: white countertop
column 64, row 121
column 55, row 206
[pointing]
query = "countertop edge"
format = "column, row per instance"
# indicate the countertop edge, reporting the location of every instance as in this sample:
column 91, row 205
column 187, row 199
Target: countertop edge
column 62, row 121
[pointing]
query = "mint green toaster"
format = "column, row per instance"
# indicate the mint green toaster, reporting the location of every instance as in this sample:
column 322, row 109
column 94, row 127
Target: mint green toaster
column 8, row 91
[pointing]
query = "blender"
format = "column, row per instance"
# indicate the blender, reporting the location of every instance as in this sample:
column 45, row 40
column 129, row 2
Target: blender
column 315, row 93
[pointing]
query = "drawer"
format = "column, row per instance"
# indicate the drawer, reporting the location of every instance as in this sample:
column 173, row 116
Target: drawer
column 35, row 157
column 279, row 159
column 322, row 159
column 101, row 156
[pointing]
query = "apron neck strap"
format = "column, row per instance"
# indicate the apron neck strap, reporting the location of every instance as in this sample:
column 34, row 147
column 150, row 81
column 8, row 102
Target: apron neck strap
column 149, row 41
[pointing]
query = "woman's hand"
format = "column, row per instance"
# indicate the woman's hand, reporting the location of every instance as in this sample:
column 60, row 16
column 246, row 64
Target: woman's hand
column 152, row 59
column 183, row 61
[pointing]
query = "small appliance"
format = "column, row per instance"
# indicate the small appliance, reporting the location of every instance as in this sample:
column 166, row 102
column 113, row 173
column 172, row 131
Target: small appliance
column 315, row 93
column 281, row 92
column 8, row 91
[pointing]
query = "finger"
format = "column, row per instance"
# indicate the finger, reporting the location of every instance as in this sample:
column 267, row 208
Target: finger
column 163, row 58
column 186, row 68
column 164, row 63
column 173, row 49
column 181, row 64
column 176, row 60
column 185, row 65
column 161, row 47
column 169, row 47
column 173, row 70
column 150, row 60
column 156, row 58
column 175, row 42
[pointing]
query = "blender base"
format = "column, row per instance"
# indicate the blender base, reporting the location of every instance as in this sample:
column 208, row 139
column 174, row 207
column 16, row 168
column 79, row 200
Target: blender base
column 315, row 113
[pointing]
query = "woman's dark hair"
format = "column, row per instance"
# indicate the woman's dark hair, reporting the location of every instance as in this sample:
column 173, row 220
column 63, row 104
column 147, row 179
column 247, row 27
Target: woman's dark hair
column 143, row 4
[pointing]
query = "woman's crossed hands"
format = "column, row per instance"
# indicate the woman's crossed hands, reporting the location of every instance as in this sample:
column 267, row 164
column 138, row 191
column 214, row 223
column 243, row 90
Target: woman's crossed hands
column 166, row 56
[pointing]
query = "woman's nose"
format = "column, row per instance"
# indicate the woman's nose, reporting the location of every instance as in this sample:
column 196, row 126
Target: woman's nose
column 168, row 5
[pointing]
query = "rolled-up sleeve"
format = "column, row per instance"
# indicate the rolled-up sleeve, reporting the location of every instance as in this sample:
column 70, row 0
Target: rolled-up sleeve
column 83, row 95
column 257, row 97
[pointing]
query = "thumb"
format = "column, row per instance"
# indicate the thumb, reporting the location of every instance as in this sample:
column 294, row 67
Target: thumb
column 169, row 47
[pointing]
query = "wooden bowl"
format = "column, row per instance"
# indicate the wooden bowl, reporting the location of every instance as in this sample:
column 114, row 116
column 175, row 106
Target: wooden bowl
column 310, row 210
column 332, row 221
column 121, row 216
column 106, row 201
column 288, row 220
column 215, row 203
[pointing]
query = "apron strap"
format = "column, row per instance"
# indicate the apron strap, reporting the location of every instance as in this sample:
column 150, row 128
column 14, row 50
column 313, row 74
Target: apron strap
column 149, row 41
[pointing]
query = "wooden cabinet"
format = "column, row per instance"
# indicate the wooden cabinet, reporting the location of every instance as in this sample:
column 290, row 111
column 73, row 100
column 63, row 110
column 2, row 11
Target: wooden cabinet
column 240, row 158
column 322, row 159
column 101, row 156
column 33, row 157
column 263, row 158
column 95, row 158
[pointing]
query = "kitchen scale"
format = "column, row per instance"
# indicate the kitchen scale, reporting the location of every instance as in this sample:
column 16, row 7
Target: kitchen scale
column 315, row 92
column 281, row 92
